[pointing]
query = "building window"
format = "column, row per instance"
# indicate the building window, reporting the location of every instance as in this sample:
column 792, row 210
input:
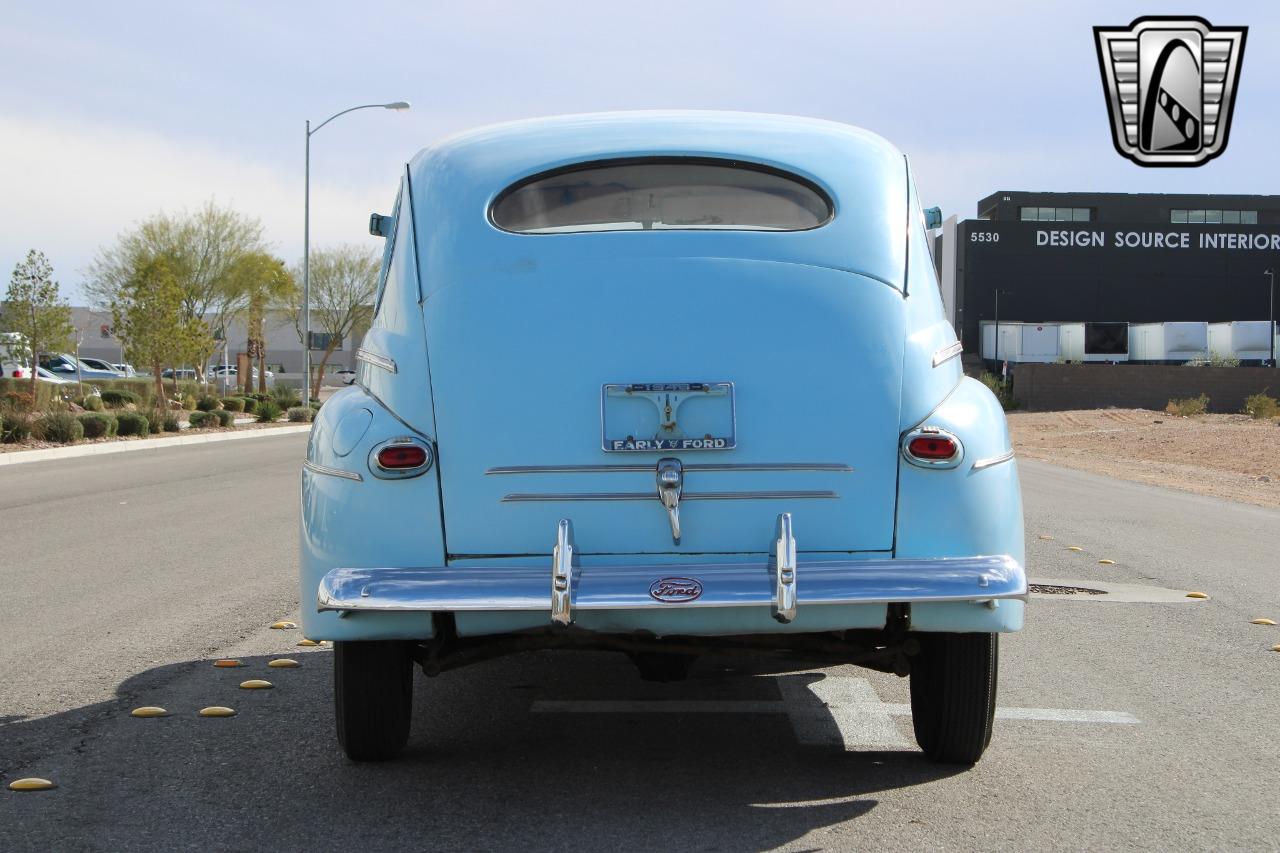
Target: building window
column 1055, row 214
column 321, row 341
column 1215, row 217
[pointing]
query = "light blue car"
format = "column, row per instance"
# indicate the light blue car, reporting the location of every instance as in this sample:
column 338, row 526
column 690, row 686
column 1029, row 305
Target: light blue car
column 668, row 384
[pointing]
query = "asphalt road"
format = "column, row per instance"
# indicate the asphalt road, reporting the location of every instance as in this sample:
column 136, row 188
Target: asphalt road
column 1123, row 725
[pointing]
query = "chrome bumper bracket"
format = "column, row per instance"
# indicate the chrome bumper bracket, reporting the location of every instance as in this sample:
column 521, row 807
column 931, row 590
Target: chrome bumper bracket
column 784, row 569
column 564, row 559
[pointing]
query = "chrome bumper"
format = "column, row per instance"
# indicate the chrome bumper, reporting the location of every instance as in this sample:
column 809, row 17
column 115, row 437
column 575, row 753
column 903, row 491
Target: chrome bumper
column 778, row 583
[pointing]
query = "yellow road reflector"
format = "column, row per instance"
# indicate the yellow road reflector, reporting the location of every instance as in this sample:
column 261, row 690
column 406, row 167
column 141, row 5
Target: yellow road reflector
column 304, row 642
column 1262, row 620
column 256, row 684
column 1046, row 537
column 217, row 711
column 227, row 662
column 283, row 663
column 1074, row 548
column 1197, row 595
column 149, row 711
column 31, row 783
column 283, row 626
column 1106, row 562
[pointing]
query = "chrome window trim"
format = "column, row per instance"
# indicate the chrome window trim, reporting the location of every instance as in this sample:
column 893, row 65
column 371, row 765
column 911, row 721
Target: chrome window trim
column 836, row 467
column 387, row 364
column 930, row 431
column 332, row 472
column 526, row 497
column 991, row 461
column 947, row 353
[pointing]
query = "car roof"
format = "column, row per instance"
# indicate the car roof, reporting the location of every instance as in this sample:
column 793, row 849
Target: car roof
column 455, row 180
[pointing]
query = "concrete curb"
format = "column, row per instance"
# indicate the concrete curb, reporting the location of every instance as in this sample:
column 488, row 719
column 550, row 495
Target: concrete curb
column 18, row 457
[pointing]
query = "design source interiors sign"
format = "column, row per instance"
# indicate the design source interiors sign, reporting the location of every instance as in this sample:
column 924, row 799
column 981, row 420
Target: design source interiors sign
column 1162, row 239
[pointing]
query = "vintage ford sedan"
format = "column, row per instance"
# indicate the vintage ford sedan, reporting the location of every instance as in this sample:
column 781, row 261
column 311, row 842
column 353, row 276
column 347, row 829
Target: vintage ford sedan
column 667, row 384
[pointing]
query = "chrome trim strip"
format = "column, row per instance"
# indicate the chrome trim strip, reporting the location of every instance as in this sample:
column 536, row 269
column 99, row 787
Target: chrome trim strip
column 947, row 353
column 525, row 497
column 836, row 467
column 979, row 464
column 387, row 364
column 501, row 586
column 332, row 472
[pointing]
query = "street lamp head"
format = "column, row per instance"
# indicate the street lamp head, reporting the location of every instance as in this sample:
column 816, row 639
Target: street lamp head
column 396, row 105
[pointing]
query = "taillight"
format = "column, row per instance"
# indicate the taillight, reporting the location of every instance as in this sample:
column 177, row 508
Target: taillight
column 400, row 458
column 932, row 447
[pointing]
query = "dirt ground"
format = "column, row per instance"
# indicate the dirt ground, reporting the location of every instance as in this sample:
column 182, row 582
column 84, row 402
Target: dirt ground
column 1228, row 456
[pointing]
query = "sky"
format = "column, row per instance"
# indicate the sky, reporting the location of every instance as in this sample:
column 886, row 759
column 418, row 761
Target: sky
column 111, row 112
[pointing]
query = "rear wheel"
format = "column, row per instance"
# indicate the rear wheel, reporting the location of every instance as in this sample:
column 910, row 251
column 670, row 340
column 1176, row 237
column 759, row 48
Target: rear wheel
column 372, row 697
column 953, row 695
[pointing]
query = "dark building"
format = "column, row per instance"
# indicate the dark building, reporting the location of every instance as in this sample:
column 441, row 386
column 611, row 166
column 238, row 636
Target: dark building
column 1114, row 257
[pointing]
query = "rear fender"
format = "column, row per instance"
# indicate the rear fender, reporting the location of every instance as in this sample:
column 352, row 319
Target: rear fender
column 367, row 522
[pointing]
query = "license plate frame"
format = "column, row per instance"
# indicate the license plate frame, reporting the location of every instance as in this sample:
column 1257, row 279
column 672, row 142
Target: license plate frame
column 644, row 417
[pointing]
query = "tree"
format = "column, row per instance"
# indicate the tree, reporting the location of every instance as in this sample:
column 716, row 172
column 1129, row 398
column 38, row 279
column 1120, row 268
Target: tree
column 151, row 320
column 262, row 280
column 203, row 251
column 344, row 282
column 34, row 309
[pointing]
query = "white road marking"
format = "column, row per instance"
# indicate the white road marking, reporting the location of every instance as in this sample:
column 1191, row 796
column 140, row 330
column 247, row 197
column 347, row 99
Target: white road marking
column 835, row 711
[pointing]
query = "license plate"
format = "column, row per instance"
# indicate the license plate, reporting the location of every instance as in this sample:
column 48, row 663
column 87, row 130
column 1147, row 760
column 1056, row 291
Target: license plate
column 667, row 416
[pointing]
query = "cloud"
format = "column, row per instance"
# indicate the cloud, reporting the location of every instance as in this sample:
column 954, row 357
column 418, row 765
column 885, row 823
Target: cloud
column 70, row 188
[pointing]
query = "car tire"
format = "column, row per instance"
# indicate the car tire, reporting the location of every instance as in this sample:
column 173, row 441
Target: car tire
column 953, row 695
column 372, row 697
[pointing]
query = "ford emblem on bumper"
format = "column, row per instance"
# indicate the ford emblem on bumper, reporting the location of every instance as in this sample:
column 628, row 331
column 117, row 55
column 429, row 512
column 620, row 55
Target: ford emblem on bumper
column 675, row 590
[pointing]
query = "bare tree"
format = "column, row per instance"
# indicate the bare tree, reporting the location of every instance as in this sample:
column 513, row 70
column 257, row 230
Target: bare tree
column 202, row 250
column 344, row 282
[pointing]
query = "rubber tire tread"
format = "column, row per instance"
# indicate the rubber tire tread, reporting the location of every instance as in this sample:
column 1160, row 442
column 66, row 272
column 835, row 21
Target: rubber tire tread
column 372, row 697
column 953, row 695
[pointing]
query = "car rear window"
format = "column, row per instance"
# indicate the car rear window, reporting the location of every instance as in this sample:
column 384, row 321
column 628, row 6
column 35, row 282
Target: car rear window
column 662, row 195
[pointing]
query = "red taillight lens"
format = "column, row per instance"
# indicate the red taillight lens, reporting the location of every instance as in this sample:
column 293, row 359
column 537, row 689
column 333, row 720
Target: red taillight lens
column 399, row 457
column 932, row 447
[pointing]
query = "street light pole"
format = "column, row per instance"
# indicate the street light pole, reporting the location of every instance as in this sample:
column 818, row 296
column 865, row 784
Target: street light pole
column 306, row 237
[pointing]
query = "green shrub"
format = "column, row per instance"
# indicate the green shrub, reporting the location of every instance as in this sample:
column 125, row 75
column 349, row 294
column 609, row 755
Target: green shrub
column 171, row 423
column 16, row 428
column 188, row 402
column 207, row 404
column 201, row 420
column 285, row 397
column 299, row 414
column 92, row 403
column 1003, row 389
column 233, row 404
column 1190, row 406
column 315, row 405
column 132, row 423
column 115, row 398
column 268, row 412
column 58, row 427
column 224, row 417
column 250, row 405
column 156, row 419
column 98, row 424
column 1260, row 406
column 141, row 388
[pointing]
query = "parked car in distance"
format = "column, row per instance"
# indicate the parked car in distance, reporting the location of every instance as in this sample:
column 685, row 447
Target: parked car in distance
column 182, row 374
column 127, row 369
column 697, row 393
column 43, row 375
column 64, row 366
column 99, row 364
column 346, row 376
column 229, row 377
